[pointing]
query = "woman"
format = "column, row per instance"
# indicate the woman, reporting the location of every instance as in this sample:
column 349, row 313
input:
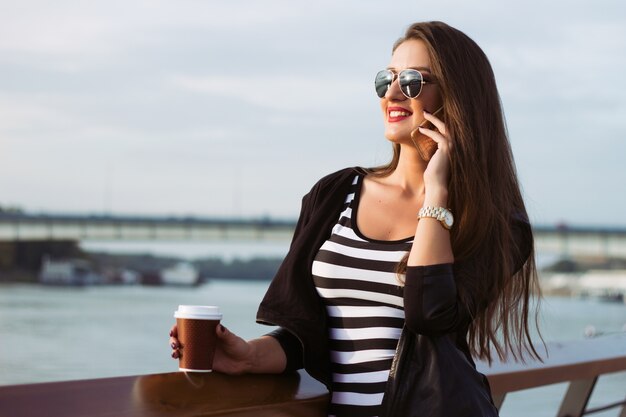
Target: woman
column 393, row 269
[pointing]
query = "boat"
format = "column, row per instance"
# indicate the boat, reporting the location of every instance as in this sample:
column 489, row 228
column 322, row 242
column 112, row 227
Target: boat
column 76, row 272
column 182, row 273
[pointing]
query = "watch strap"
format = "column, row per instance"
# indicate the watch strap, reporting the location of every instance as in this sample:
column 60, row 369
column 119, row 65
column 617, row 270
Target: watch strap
column 434, row 212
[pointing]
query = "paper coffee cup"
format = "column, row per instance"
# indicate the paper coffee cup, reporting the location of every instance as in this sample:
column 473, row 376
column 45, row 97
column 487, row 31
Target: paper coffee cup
column 196, row 334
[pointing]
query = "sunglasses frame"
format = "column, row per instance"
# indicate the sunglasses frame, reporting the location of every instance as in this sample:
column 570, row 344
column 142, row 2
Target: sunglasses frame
column 396, row 76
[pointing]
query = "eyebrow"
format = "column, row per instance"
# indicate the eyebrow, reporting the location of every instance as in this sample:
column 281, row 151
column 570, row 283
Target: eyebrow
column 415, row 68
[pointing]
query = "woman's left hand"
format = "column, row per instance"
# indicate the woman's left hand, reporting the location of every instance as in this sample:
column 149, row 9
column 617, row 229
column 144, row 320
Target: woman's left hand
column 437, row 172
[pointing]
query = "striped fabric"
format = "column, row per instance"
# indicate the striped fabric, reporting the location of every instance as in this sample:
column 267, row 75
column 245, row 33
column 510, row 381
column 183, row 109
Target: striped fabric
column 356, row 278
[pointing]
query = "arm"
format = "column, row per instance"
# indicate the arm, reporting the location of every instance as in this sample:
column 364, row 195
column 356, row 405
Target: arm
column 432, row 241
column 431, row 302
column 430, row 295
column 292, row 347
column 267, row 356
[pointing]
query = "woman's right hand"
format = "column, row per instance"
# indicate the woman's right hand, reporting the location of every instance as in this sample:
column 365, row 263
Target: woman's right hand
column 233, row 355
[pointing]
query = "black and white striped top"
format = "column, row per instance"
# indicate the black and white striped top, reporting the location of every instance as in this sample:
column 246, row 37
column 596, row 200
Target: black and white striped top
column 356, row 278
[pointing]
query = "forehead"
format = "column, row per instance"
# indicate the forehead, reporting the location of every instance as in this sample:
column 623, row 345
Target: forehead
column 410, row 54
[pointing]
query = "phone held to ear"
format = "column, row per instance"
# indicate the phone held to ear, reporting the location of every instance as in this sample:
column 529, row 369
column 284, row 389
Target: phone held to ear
column 425, row 145
column 428, row 124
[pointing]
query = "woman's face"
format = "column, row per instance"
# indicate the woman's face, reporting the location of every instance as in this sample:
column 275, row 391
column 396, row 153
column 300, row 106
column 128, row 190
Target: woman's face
column 408, row 113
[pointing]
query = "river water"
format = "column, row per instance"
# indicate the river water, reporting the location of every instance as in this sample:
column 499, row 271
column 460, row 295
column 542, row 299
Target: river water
column 60, row 333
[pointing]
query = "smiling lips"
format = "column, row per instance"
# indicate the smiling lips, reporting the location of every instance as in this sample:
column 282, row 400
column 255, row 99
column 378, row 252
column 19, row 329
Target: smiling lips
column 396, row 114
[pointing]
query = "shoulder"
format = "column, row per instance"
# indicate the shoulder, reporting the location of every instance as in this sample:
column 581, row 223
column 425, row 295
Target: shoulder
column 345, row 174
column 329, row 188
column 336, row 179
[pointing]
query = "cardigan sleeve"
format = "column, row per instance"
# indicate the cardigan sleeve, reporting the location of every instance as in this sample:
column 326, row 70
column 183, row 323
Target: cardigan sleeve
column 431, row 302
column 431, row 305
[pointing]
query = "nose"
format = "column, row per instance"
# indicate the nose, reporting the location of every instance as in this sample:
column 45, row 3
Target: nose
column 394, row 93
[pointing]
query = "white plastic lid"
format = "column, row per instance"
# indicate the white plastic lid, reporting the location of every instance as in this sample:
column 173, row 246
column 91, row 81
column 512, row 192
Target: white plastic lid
column 198, row 312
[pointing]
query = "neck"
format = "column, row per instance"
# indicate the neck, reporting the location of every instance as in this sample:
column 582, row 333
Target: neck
column 409, row 174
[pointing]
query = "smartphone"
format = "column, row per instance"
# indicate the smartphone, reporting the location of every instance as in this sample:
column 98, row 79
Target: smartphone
column 427, row 124
column 426, row 147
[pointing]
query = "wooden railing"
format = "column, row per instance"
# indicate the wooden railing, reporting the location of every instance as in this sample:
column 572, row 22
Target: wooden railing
column 580, row 363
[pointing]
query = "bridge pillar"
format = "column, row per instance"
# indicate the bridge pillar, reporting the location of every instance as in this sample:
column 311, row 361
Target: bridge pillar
column 25, row 255
column 7, row 255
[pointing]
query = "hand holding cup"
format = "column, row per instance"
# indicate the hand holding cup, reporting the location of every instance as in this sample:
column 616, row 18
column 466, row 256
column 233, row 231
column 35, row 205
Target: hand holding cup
column 196, row 335
column 229, row 353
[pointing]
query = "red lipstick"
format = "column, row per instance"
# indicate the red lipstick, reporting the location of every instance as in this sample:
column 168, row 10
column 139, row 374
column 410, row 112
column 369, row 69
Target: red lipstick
column 397, row 113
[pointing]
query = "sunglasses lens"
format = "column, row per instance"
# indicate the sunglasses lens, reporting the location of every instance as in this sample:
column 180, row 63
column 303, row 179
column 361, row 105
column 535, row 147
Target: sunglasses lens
column 382, row 82
column 410, row 82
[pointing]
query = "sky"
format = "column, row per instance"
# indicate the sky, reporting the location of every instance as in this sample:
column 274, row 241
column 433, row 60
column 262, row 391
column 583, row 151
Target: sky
column 236, row 108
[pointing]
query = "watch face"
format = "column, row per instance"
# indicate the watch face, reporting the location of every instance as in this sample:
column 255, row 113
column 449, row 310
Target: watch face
column 448, row 219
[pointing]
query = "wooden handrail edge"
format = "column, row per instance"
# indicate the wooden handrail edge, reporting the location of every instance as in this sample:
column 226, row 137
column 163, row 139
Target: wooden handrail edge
column 179, row 394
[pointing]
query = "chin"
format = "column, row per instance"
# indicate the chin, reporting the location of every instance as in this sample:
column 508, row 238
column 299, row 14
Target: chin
column 396, row 137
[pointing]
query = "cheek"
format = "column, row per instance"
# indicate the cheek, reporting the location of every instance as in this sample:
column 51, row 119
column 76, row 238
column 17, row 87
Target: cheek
column 432, row 101
column 418, row 110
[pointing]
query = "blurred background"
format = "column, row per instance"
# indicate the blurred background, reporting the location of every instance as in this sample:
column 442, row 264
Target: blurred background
column 236, row 108
column 126, row 111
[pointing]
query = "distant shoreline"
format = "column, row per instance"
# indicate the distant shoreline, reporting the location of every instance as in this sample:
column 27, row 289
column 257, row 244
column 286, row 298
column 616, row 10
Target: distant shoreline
column 261, row 268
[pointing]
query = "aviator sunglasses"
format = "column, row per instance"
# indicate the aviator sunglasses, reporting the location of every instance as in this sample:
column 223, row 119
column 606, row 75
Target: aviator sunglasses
column 410, row 81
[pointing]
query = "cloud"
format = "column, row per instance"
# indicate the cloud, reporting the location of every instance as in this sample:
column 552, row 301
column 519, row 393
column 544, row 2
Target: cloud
column 284, row 92
column 28, row 111
column 74, row 36
column 182, row 98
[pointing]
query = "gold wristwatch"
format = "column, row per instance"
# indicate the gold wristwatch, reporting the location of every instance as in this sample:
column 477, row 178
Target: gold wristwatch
column 442, row 214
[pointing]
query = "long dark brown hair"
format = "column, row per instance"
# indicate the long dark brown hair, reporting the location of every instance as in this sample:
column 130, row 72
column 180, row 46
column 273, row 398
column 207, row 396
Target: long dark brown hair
column 484, row 196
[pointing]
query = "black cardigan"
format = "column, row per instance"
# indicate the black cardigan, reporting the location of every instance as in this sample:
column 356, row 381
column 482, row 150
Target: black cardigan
column 435, row 322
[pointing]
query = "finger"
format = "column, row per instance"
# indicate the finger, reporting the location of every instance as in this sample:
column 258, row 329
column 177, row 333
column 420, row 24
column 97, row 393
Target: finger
column 439, row 124
column 227, row 337
column 175, row 345
column 434, row 135
column 222, row 332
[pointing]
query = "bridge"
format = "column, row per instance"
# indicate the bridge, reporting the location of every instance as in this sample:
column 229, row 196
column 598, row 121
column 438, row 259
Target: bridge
column 16, row 227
